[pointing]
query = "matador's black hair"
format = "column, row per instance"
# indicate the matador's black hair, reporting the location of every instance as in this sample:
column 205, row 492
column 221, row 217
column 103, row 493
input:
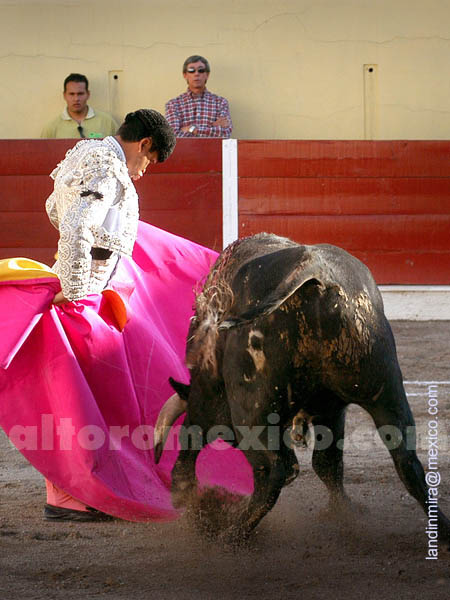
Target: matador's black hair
column 147, row 122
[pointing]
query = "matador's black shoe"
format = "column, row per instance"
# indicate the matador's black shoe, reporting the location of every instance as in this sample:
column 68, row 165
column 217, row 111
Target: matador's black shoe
column 57, row 513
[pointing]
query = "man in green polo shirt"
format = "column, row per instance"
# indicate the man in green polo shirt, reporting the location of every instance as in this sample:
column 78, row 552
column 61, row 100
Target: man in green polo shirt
column 78, row 120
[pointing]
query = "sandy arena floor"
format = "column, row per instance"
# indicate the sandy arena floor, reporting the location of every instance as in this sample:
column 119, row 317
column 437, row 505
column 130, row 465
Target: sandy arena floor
column 296, row 552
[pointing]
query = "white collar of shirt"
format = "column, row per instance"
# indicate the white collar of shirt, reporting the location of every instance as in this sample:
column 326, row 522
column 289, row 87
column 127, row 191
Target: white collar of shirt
column 111, row 141
column 194, row 96
column 65, row 114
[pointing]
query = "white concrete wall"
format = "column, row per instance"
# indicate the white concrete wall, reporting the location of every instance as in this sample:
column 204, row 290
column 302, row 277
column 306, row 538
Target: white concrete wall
column 416, row 302
column 290, row 68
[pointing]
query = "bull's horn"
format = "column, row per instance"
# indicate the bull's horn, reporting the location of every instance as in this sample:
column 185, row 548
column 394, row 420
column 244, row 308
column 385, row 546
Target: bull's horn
column 172, row 409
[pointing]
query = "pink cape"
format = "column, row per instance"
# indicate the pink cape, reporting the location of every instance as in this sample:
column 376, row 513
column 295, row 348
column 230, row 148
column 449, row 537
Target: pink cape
column 79, row 397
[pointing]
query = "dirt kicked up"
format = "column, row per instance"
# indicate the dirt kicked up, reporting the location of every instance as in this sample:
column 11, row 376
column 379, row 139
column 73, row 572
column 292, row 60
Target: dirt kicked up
column 379, row 551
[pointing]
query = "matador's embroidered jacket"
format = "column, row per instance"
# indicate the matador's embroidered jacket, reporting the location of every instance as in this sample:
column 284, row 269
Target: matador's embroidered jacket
column 94, row 204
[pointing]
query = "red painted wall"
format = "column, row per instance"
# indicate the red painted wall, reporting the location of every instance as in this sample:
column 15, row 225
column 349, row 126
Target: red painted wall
column 386, row 202
column 183, row 195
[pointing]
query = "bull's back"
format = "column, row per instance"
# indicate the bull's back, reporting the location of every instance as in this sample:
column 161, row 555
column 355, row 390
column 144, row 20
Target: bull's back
column 334, row 295
column 263, row 283
column 347, row 271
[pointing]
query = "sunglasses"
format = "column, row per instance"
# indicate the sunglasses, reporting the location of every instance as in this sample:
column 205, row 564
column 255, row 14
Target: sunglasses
column 80, row 131
column 193, row 70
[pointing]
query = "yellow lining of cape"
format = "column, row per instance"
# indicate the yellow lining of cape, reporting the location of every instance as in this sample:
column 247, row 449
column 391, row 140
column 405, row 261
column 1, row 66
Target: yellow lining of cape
column 19, row 269
column 16, row 269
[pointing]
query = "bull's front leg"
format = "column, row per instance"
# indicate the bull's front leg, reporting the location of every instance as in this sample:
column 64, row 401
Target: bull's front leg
column 184, row 482
column 269, row 475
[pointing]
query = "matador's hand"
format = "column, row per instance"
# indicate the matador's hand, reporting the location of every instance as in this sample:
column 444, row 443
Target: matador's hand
column 59, row 299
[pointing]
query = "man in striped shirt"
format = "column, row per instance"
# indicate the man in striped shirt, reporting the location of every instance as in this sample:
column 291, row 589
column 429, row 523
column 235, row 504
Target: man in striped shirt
column 198, row 112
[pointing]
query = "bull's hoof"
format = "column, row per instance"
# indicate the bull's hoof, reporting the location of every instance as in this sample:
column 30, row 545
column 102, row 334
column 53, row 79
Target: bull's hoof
column 342, row 508
column 213, row 512
column 348, row 507
column 235, row 538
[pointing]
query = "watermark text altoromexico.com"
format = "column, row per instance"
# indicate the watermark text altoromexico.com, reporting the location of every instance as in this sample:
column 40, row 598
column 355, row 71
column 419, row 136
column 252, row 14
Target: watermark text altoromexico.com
column 61, row 434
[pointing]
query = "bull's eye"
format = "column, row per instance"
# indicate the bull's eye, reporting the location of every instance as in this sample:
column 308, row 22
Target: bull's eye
column 256, row 342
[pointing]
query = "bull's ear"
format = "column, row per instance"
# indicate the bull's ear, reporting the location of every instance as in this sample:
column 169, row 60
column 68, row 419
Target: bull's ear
column 181, row 388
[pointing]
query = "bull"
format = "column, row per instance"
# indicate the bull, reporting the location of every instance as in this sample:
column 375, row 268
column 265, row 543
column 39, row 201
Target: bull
column 298, row 332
